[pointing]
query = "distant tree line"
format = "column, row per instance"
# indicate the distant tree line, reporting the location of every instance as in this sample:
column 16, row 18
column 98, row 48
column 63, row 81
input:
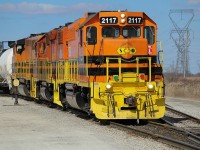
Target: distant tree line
column 171, row 74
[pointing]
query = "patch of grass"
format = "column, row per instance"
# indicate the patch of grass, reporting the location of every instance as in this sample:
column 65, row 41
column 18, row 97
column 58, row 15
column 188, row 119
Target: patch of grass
column 184, row 87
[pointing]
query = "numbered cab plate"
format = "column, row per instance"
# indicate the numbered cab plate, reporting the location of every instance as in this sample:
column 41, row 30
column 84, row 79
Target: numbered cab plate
column 108, row 20
column 134, row 20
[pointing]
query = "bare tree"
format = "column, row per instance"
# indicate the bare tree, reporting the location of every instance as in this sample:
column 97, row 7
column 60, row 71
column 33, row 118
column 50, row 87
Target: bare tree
column 171, row 73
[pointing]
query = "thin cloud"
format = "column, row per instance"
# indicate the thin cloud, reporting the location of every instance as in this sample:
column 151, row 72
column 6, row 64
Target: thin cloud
column 193, row 2
column 39, row 8
column 197, row 11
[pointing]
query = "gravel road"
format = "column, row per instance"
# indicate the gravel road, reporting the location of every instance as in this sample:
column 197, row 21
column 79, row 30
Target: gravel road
column 31, row 126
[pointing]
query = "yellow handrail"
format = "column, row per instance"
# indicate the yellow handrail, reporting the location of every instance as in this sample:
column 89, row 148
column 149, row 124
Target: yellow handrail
column 137, row 61
column 160, row 52
column 107, row 67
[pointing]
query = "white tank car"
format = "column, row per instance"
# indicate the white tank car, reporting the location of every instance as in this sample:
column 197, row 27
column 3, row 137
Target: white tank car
column 6, row 68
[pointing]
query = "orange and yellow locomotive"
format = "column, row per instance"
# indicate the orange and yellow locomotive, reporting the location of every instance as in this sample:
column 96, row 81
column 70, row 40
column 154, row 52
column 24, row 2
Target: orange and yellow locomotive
column 105, row 64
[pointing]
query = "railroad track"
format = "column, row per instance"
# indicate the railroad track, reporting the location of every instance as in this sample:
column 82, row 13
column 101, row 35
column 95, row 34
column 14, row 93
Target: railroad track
column 182, row 121
column 163, row 133
column 197, row 120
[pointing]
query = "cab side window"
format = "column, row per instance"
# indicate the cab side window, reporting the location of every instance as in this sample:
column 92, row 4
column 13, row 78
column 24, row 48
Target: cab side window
column 149, row 34
column 91, row 35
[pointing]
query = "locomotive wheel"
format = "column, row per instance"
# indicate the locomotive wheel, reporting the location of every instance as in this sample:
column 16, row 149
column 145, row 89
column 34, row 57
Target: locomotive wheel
column 6, row 91
column 143, row 122
column 38, row 101
column 104, row 122
column 64, row 108
column 51, row 105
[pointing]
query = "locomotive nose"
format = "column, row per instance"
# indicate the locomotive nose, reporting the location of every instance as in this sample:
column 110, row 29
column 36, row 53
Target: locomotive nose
column 126, row 52
column 126, row 48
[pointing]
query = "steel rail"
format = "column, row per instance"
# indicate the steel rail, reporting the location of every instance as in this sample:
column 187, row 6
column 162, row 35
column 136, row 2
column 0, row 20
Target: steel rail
column 161, row 138
column 191, row 135
column 183, row 114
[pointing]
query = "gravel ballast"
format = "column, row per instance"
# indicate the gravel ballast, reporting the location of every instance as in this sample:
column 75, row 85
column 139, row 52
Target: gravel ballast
column 36, row 127
column 188, row 106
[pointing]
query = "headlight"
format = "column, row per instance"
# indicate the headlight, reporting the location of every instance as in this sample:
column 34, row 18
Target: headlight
column 123, row 20
column 123, row 15
column 108, row 86
column 150, row 86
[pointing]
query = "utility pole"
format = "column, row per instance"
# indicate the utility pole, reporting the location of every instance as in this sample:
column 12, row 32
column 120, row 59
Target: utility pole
column 1, row 47
column 2, row 44
column 181, row 38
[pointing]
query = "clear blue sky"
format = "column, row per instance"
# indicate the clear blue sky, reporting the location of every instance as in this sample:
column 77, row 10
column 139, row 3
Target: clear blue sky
column 20, row 18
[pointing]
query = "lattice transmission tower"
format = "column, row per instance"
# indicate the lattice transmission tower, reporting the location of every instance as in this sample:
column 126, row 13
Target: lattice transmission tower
column 181, row 37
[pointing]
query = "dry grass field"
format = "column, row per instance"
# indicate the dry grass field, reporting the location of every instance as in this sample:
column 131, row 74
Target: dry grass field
column 184, row 87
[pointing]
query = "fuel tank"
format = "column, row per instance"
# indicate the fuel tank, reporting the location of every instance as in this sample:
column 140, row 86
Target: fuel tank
column 6, row 66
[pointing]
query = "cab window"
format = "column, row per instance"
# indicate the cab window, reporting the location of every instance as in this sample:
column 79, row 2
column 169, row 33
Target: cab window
column 110, row 32
column 131, row 31
column 149, row 34
column 91, row 33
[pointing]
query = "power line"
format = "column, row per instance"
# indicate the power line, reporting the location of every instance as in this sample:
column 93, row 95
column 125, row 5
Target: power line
column 181, row 38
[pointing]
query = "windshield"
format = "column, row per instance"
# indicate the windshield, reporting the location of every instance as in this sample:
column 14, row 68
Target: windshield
column 110, row 32
column 131, row 31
